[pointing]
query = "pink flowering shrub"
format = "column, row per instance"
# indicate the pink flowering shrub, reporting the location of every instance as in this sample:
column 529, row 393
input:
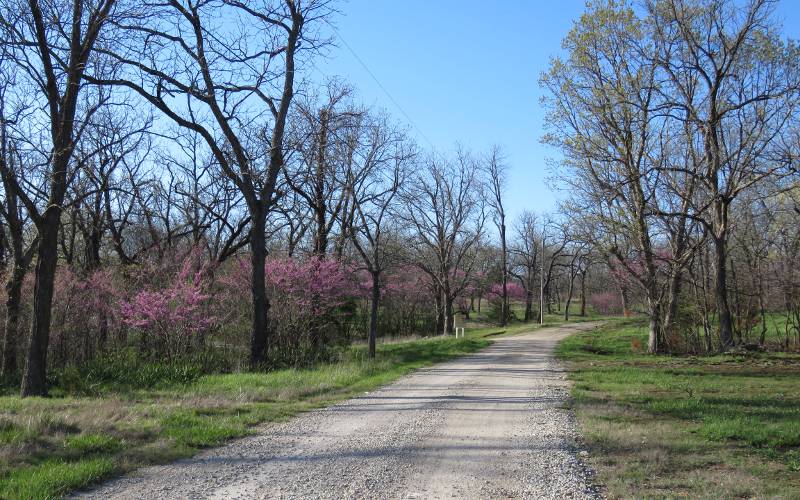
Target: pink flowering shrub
column 495, row 294
column 514, row 290
column 406, row 303
column 308, row 301
column 84, row 311
column 606, row 302
column 316, row 286
column 176, row 312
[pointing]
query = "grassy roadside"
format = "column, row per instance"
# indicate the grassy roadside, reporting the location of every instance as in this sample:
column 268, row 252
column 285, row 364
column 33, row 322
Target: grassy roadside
column 51, row 446
column 665, row 427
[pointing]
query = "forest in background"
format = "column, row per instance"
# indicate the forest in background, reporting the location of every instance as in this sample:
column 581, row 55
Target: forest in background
column 172, row 192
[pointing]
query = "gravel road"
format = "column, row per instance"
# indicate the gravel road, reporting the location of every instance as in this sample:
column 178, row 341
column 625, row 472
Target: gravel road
column 489, row 425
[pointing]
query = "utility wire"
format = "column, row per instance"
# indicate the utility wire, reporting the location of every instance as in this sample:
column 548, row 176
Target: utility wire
column 380, row 85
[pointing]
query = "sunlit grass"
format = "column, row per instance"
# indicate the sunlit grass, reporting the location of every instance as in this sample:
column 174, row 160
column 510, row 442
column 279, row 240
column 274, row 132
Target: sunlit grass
column 704, row 427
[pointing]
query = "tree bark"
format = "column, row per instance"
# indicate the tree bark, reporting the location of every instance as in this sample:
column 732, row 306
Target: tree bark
column 569, row 294
column 448, row 315
column 373, row 316
column 528, row 305
column 654, row 331
column 623, row 292
column 258, row 259
column 439, row 304
column 721, row 292
column 11, row 333
column 504, row 263
column 320, row 208
column 583, row 294
column 673, row 293
column 34, row 378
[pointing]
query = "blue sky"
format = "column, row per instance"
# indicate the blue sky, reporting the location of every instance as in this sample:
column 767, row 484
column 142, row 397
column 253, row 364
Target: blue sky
column 467, row 71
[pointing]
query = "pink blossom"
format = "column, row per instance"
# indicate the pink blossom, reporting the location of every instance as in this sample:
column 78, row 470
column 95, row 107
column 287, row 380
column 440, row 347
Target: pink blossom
column 514, row 290
column 606, row 302
column 181, row 306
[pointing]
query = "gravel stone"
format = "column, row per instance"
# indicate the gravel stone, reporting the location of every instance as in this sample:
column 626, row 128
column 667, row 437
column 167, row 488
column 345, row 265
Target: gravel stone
column 489, row 425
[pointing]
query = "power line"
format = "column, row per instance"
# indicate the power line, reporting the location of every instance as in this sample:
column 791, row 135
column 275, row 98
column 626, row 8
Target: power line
column 375, row 79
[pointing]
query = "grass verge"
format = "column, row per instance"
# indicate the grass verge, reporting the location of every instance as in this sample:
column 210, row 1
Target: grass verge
column 666, row 427
column 52, row 446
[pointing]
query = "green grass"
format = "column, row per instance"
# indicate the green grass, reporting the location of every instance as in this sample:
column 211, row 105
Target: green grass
column 55, row 478
column 92, row 430
column 701, row 427
column 93, row 443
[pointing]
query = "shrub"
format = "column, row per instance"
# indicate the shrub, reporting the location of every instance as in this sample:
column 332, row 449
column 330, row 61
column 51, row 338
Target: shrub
column 177, row 313
column 310, row 303
column 606, row 302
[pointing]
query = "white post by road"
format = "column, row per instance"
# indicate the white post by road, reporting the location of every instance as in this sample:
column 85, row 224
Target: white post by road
column 458, row 319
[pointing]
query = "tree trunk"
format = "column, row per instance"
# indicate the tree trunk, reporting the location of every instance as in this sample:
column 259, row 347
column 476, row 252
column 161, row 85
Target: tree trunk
column 673, row 295
column 373, row 316
column 623, row 292
column 721, row 292
column 583, row 294
column 504, row 312
column 528, row 305
column 258, row 259
column 439, row 304
column 34, row 378
column 448, row 315
column 762, row 309
column 558, row 299
column 11, row 334
column 654, row 332
column 93, row 244
column 320, row 208
column 569, row 294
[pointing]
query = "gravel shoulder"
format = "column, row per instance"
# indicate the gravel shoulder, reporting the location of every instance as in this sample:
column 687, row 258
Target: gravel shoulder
column 489, row 425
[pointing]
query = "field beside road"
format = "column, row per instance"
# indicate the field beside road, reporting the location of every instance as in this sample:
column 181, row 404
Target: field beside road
column 723, row 426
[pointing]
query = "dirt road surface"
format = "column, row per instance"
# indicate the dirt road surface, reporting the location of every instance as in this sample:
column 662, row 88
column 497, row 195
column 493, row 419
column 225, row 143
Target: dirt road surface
column 489, row 425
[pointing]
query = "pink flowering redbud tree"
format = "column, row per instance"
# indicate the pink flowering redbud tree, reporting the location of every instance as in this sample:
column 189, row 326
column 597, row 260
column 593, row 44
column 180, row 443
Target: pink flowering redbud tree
column 178, row 313
column 306, row 297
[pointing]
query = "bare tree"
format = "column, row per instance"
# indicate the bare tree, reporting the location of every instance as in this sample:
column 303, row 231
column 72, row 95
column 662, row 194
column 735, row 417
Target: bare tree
column 54, row 53
column 524, row 251
column 446, row 214
column 22, row 246
column 496, row 173
column 110, row 140
column 600, row 104
column 384, row 166
column 208, row 201
column 326, row 137
column 733, row 84
column 554, row 239
column 226, row 71
column 577, row 258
